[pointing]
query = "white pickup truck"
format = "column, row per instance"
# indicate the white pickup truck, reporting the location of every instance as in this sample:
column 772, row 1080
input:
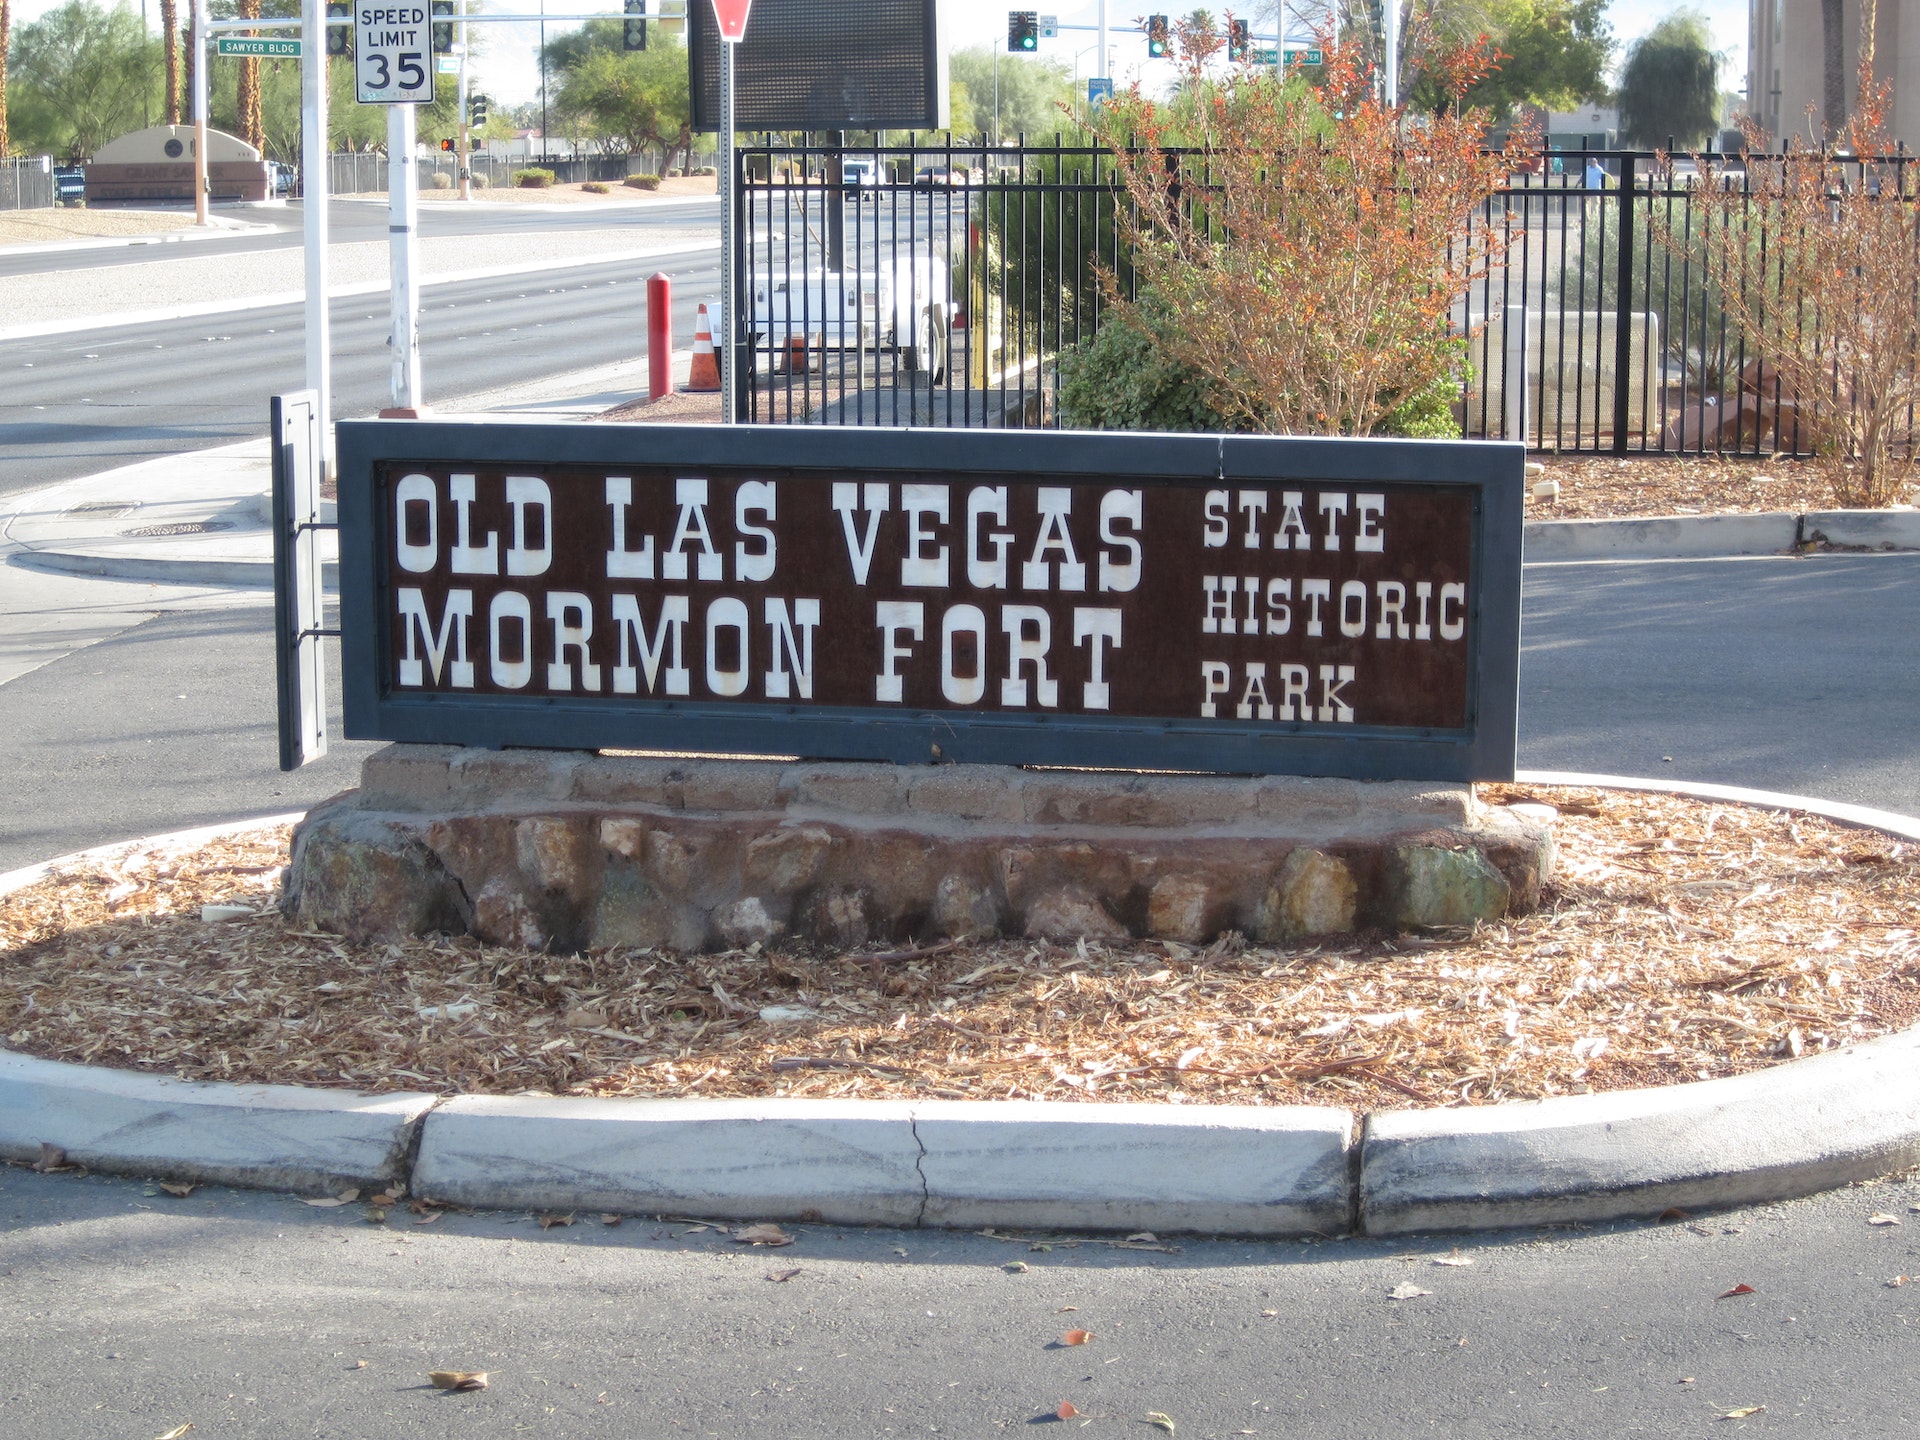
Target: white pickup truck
column 906, row 306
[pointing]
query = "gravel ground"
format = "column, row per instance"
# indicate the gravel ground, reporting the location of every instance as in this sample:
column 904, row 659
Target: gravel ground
column 50, row 227
column 197, row 279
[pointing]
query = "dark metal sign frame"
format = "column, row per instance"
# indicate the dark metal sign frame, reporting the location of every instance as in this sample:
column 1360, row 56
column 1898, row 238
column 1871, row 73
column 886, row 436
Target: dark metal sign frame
column 1481, row 749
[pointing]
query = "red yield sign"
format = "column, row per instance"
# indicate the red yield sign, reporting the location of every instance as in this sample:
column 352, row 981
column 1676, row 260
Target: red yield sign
column 732, row 15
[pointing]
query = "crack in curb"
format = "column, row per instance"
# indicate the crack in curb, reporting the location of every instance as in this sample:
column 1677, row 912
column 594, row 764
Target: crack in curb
column 410, row 1149
column 919, row 1169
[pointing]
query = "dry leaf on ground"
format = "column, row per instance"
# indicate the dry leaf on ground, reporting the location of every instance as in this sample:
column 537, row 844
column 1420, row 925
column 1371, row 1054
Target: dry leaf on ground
column 1076, row 1337
column 329, row 1202
column 611, row 1219
column 1067, row 1411
column 547, row 1222
column 1741, row 1413
column 179, row 1189
column 1881, row 1217
column 176, row 1432
column 1741, row 1289
column 780, row 1277
column 458, row 1379
column 764, row 1233
column 52, row 1158
column 1453, row 1258
column 1016, row 1267
column 1160, row 1421
column 1406, row 1290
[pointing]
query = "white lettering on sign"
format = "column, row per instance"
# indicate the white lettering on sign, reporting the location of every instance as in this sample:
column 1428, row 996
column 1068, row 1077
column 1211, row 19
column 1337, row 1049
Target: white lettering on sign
column 903, row 593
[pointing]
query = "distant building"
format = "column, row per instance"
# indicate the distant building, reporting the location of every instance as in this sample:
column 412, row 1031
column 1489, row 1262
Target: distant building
column 1593, row 127
column 1786, row 65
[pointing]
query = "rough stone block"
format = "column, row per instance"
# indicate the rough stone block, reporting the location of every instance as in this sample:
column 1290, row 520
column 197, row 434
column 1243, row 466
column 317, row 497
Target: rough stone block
column 683, row 862
column 554, row 852
column 968, row 792
column 623, row 835
column 628, row 780
column 502, row 915
column 836, row 915
column 1184, row 907
column 1434, row 886
column 846, row 789
column 964, row 908
column 631, row 911
column 785, row 860
column 746, row 922
column 1070, row 914
column 1314, row 894
column 409, row 777
column 731, row 786
column 363, row 877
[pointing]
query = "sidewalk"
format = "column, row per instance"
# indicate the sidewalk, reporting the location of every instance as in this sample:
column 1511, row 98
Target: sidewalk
column 206, row 517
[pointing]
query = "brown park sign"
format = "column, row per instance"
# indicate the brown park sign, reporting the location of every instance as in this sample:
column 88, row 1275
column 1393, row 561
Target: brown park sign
column 1167, row 602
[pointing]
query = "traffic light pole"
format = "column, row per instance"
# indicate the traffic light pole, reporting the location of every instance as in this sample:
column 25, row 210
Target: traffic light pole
column 464, row 160
column 200, row 112
column 403, row 197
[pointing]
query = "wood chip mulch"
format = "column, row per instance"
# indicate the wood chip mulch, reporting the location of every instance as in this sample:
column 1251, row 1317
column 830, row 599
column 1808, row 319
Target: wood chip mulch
column 1600, row 487
column 1680, row 940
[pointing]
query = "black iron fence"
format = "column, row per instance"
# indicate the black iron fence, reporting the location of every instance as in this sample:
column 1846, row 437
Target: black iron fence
column 940, row 284
column 365, row 172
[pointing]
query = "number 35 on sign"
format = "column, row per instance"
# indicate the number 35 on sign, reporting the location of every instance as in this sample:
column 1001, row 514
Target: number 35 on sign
column 393, row 53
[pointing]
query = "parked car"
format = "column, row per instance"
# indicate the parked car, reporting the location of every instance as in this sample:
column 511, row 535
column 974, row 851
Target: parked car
column 906, row 306
column 861, row 179
column 282, row 177
column 940, row 177
column 69, row 185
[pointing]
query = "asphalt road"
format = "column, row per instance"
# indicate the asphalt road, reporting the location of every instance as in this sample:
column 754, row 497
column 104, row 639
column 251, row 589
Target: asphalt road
column 126, row 1312
column 352, row 220
column 74, row 405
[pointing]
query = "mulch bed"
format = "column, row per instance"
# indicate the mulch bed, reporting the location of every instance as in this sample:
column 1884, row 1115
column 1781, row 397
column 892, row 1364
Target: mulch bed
column 1596, row 487
column 1680, row 940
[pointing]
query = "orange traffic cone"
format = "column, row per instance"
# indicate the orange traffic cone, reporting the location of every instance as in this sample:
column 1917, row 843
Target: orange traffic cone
column 705, row 373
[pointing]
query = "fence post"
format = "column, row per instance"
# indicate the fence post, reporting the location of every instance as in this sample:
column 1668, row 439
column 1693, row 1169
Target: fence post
column 1622, row 294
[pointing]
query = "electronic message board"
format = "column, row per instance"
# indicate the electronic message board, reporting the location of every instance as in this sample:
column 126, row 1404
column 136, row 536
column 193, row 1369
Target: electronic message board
column 1234, row 604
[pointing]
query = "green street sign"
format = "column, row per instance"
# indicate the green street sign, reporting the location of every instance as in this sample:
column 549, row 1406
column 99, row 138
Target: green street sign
column 268, row 49
column 1304, row 57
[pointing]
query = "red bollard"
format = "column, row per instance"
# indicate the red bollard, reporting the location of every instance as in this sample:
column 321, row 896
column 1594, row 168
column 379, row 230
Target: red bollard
column 659, row 336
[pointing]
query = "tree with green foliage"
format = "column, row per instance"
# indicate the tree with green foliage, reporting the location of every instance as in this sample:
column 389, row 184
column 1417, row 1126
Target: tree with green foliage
column 1669, row 90
column 627, row 99
column 83, row 75
column 6, row 36
column 1556, row 56
column 1031, row 92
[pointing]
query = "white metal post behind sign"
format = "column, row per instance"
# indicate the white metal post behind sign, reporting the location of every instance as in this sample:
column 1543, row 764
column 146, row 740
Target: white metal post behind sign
column 732, row 18
column 199, row 112
column 315, row 183
column 393, row 66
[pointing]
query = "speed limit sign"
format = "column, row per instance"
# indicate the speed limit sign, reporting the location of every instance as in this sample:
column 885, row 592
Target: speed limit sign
column 392, row 53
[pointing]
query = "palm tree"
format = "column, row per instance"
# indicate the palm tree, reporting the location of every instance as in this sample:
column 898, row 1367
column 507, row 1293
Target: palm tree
column 247, row 96
column 1833, row 108
column 6, row 19
column 170, row 43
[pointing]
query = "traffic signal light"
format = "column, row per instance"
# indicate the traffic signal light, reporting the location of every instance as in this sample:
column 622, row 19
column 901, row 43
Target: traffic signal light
column 1023, row 31
column 476, row 110
column 634, row 36
column 447, row 144
column 339, row 37
column 1157, row 36
column 1237, row 40
column 443, row 27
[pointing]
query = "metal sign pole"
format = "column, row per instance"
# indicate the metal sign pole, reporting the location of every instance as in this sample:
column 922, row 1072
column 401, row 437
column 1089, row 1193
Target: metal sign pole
column 729, row 371
column 463, row 162
column 200, row 112
column 402, row 231
column 315, row 185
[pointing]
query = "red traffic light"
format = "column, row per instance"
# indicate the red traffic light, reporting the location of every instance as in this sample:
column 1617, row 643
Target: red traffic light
column 446, row 144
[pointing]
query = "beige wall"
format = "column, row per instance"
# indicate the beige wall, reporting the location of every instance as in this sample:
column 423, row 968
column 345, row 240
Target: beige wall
column 1785, row 65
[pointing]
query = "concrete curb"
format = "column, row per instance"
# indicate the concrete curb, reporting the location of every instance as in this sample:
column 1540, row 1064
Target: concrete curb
column 1865, row 529
column 1773, row 1134
column 1662, row 537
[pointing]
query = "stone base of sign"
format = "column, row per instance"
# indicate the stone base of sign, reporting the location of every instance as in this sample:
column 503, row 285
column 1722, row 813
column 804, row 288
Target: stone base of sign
column 566, row 849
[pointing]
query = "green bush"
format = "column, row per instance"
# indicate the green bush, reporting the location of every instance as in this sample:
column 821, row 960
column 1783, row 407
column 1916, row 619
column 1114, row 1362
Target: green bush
column 642, row 182
column 1119, row 380
column 1432, row 413
column 441, row 180
column 706, row 170
column 480, row 181
column 533, row 179
column 594, row 187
